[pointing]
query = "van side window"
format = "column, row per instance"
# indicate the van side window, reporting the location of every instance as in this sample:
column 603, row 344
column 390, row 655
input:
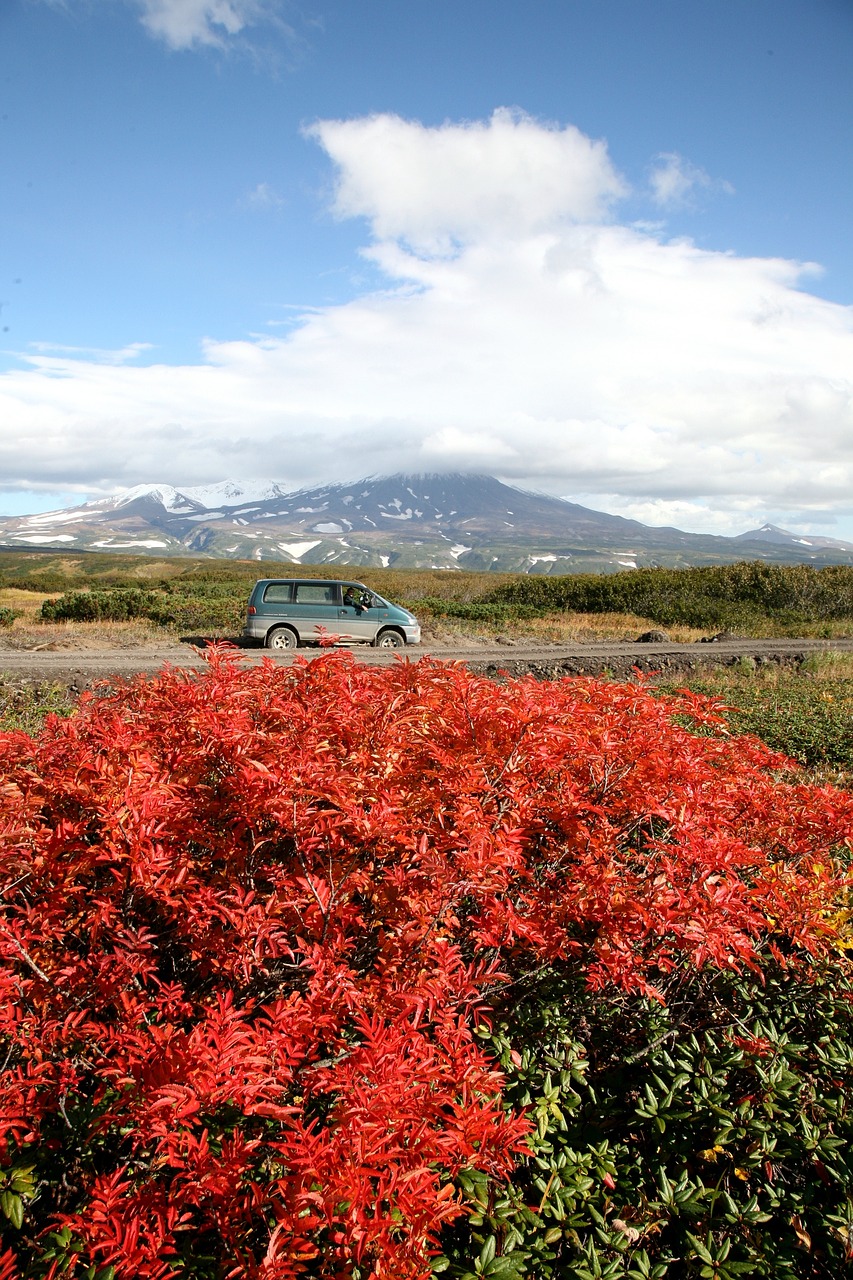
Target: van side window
column 278, row 593
column 316, row 593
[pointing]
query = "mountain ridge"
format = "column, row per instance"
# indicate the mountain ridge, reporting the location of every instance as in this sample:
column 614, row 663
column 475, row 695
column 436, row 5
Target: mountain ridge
column 425, row 520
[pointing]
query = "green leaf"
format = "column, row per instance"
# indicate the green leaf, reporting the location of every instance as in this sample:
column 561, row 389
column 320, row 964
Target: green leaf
column 13, row 1207
column 700, row 1248
column 503, row 1269
column 488, row 1251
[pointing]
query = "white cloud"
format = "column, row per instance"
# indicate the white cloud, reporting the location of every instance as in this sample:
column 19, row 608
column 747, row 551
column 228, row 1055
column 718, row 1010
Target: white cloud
column 553, row 347
column 120, row 355
column 740, row 514
column 462, row 182
column 674, row 181
column 187, row 24
column 199, row 24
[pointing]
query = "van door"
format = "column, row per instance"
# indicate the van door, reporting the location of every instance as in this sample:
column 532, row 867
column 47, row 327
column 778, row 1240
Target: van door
column 357, row 621
column 316, row 609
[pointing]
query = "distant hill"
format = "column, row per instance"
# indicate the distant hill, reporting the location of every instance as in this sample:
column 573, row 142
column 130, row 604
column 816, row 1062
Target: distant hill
column 404, row 521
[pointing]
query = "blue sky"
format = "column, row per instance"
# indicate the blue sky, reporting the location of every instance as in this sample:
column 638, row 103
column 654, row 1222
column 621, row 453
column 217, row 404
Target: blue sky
column 243, row 238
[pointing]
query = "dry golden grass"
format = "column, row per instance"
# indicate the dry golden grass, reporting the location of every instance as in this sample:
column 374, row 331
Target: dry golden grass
column 562, row 628
column 27, row 603
column 25, row 634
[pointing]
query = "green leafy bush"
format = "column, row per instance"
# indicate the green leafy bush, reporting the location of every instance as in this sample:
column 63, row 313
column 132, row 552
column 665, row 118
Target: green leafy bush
column 809, row 719
column 7, row 616
column 214, row 608
column 47, row 581
column 736, row 596
column 472, row 611
column 216, row 613
column 708, row 1136
column 99, row 606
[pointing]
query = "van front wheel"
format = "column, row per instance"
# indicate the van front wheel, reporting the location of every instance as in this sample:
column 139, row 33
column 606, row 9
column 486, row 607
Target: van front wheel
column 389, row 640
column 282, row 638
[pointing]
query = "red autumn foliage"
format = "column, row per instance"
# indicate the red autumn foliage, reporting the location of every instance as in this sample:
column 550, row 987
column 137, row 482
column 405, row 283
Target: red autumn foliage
column 252, row 919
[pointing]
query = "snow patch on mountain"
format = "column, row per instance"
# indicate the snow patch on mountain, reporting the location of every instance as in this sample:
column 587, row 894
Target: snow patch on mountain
column 39, row 538
column 227, row 493
column 53, row 517
column 138, row 542
column 297, row 549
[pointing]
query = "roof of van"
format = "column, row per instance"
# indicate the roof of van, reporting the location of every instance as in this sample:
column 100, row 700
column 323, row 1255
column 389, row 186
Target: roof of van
column 350, row 582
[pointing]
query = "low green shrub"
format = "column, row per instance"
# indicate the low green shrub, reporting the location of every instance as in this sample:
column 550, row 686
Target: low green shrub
column 472, row 611
column 738, row 596
column 7, row 616
column 206, row 615
column 215, row 608
column 100, row 606
column 50, row 580
column 809, row 719
column 707, row 1136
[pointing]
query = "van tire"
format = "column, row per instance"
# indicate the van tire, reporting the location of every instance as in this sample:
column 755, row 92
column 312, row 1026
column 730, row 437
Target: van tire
column 281, row 638
column 389, row 639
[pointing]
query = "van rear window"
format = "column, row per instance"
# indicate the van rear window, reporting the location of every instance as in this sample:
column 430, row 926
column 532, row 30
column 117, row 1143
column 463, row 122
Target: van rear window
column 278, row 593
column 316, row 593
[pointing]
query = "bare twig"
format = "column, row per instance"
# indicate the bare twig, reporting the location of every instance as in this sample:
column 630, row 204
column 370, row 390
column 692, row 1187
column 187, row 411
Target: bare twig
column 26, row 955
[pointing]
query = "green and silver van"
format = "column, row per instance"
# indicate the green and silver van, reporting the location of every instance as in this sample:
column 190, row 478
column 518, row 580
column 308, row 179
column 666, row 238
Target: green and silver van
column 286, row 612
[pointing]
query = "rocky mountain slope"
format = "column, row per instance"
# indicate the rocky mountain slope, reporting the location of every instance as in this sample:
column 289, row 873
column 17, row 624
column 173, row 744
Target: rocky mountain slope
column 420, row 521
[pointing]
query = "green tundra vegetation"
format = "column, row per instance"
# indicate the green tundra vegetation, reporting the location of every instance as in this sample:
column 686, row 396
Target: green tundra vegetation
column 806, row 713
column 746, row 596
column 203, row 595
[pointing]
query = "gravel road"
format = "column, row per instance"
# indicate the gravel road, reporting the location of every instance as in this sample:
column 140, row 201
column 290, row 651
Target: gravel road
column 78, row 668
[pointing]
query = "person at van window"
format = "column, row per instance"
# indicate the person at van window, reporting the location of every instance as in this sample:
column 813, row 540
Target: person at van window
column 353, row 600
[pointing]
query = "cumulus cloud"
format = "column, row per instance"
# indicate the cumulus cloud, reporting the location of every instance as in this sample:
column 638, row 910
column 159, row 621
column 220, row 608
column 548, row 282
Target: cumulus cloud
column 674, row 182
column 433, row 187
column 527, row 335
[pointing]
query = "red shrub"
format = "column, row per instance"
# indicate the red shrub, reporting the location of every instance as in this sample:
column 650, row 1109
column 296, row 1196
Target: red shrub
column 252, row 918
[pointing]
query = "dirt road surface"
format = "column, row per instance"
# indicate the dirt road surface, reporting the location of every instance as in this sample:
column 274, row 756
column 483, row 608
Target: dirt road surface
column 79, row 668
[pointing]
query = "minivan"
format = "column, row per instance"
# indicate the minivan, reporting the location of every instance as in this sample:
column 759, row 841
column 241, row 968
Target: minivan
column 286, row 612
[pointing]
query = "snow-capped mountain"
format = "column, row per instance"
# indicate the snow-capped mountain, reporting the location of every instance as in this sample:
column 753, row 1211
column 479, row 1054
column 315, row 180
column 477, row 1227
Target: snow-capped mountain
column 408, row 521
column 783, row 538
column 202, row 497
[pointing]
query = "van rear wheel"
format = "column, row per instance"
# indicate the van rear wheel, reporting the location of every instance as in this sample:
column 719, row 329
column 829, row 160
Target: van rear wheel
column 389, row 639
column 282, row 638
